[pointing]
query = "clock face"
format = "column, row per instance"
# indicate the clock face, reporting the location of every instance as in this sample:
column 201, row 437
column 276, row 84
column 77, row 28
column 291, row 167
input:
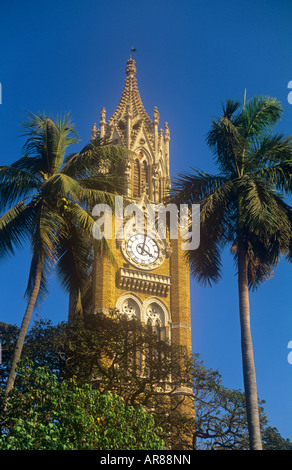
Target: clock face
column 142, row 250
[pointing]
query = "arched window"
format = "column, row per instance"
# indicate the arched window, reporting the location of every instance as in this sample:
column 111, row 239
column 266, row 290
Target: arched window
column 160, row 190
column 156, row 314
column 136, row 182
column 161, row 185
column 130, row 305
column 144, row 176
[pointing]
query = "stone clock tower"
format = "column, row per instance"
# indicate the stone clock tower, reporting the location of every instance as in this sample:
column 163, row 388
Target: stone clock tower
column 151, row 281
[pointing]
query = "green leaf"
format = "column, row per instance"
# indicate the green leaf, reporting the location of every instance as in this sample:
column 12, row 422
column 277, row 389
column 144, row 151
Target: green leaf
column 15, row 227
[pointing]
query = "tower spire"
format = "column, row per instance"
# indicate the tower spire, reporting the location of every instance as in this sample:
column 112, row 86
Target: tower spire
column 130, row 107
column 131, row 127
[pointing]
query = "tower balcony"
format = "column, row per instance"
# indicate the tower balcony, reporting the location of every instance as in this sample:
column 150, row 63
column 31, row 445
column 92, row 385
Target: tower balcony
column 140, row 281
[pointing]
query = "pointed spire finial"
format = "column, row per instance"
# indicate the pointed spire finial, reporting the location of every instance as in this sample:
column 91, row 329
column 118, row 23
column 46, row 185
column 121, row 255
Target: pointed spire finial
column 93, row 132
column 131, row 68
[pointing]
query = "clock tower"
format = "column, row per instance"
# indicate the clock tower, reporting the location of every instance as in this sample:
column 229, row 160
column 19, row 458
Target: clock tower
column 151, row 279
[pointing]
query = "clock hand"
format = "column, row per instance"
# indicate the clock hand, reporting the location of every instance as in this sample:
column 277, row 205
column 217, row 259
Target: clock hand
column 148, row 253
column 143, row 250
column 144, row 242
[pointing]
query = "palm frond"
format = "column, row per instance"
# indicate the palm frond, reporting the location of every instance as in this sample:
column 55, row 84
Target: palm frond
column 15, row 227
column 194, row 186
column 64, row 137
column 107, row 182
column 226, row 140
column 33, row 165
column 48, row 226
column 277, row 176
column 271, row 160
column 61, row 185
column 80, row 218
column 74, row 260
column 263, row 255
column 229, row 109
column 15, row 184
column 95, row 159
column 48, row 140
column 92, row 197
column 205, row 262
column 262, row 207
column 259, row 115
column 215, row 196
column 243, row 202
column 273, row 149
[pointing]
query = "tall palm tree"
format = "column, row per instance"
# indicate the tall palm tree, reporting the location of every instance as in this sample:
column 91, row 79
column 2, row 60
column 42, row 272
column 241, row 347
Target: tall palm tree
column 242, row 206
column 44, row 196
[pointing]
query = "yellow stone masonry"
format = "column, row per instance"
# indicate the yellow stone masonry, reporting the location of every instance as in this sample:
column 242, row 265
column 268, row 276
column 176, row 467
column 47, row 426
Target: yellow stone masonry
column 147, row 173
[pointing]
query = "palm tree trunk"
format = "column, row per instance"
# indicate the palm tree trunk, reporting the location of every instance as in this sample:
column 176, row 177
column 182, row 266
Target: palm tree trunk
column 248, row 366
column 75, row 306
column 24, row 328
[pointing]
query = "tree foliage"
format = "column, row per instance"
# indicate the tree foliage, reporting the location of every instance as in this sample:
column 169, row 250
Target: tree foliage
column 245, row 199
column 46, row 414
column 44, row 198
column 99, row 350
column 243, row 206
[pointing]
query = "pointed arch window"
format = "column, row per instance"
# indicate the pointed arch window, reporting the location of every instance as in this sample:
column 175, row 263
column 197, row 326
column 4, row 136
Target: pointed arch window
column 160, row 190
column 140, row 176
column 161, row 183
column 136, row 182
column 144, row 176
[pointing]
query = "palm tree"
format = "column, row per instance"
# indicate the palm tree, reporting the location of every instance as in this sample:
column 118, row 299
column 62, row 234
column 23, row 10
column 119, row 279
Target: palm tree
column 242, row 206
column 47, row 195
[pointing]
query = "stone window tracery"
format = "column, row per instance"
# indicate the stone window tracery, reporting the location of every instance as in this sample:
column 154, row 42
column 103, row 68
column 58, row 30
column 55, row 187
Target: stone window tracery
column 154, row 315
column 144, row 176
column 141, row 176
column 136, row 182
column 130, row 305
column 130, row 308
column 152, row 312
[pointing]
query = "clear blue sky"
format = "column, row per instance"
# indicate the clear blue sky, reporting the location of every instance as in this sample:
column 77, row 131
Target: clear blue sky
column 62, row 56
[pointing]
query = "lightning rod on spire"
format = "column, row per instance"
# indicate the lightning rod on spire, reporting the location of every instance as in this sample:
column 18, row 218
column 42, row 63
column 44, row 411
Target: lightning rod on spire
column 132, row 50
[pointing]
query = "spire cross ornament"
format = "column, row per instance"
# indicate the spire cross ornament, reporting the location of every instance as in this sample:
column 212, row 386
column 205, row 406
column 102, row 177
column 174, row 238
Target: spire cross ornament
column 132, row 50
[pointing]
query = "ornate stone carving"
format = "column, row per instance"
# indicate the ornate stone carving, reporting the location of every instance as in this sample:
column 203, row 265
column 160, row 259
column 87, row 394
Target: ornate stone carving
column 93, row 132
column 144, row 188
column 130, row 308
column 153, row 315
column 166, row 133
column 102, row 116
column 155, row 116
column 139, row 281
column 131, row 68
column 128, row 169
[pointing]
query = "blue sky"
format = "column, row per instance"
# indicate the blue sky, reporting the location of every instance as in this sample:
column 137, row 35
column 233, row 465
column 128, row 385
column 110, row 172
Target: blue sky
column 62, row 56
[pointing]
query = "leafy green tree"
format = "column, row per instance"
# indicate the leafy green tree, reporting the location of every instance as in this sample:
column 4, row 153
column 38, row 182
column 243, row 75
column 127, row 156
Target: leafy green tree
column 46, row 414
column 47, row 195
column 272, row 440
column 126, row 358
column 106, row 352
column 75, row 351
column 242, row 206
